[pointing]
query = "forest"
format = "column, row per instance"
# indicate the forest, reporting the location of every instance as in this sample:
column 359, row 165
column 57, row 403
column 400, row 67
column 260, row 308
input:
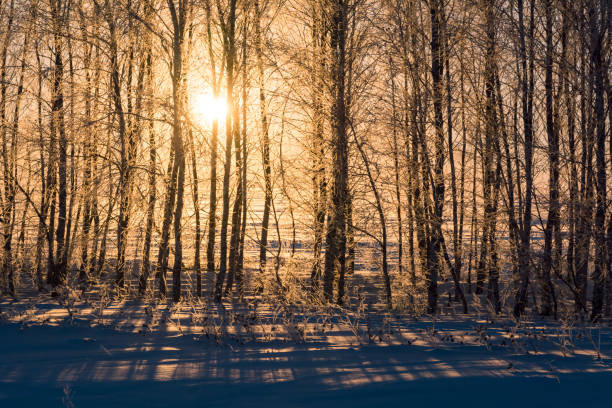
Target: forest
column 257, row 173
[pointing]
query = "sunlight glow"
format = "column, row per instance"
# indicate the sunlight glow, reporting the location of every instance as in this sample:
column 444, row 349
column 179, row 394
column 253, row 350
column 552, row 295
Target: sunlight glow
column 205, row 109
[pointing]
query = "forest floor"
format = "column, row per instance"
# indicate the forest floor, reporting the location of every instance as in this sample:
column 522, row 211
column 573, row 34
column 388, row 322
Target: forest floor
column 77, row 353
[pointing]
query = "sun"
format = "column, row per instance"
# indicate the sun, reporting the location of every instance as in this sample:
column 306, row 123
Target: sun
column 205, row 108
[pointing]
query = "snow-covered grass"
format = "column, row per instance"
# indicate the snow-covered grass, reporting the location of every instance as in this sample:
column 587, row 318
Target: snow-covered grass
column 117, row 353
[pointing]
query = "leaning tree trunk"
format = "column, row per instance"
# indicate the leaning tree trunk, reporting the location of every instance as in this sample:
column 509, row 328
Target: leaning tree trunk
column 383, row 225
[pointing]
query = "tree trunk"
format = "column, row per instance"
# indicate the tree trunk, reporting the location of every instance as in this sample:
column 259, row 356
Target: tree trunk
column 230, row 57
column 179, row 16
column 437, row 70
column 336, row 228
column 598, row 29
column 265, row 144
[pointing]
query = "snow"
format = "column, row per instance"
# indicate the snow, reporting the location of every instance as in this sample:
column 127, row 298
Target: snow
column 127, row 354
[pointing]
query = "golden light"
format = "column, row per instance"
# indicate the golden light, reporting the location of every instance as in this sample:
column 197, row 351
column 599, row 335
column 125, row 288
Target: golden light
column 205, row 108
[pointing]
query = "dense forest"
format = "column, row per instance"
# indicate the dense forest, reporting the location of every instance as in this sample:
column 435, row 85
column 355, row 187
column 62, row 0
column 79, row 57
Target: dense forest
column 429, row 153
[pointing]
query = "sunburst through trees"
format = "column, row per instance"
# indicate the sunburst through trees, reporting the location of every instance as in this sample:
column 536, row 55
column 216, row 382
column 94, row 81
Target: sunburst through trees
column 307, row 149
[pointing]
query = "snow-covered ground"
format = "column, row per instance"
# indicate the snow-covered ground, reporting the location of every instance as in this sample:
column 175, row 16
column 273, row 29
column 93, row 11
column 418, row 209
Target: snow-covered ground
column 131, row 355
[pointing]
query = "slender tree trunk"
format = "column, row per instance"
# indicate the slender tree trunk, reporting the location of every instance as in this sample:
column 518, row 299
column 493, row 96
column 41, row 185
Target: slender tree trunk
column 597, row 27
column 457, row 244
column 265, row 144
column 59, row 274
column 396, row 168
column 152, row 171
column 237, row 208
column 7, row 201
column 87, row 162
column 410, row 160
column 40, row 236
column 437, row 70
column 230, row 56
column 318, row 146
column 527, row 80
column 585, row 208
column 240, row 268
column 383, row 224
column 124, row 170
column 164, row 245
column 570, row 106
column 146, row 252
column 545, row 282
column 212, row 202
column 178, row 13
column 336, row 228
column 196, row 208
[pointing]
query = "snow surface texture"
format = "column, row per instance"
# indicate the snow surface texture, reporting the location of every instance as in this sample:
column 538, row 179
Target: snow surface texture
column 127, row 354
